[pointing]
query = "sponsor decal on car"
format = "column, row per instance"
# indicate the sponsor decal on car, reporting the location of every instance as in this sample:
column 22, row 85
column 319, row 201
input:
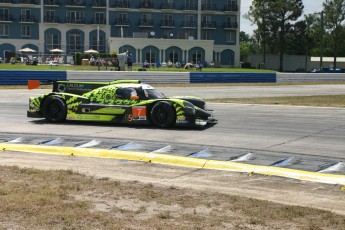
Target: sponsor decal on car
column 182, row 121
column 130, row 118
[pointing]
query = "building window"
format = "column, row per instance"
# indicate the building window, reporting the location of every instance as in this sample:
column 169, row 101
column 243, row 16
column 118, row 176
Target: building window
column 231, row 19
column 173, row 56
column 26, row 30
column 98, row 45
column 206, row 18
column 207, row 5
column 122, row 32
column 4, row 14
column 3, row 30
column 190, row 5
column 207, row 22
column 189, row 21
column 231, row 37
column 52, row 41
column 206, row 35
column 231, row 5
column 49, row 16
column 150, row 56
column 75, row 17
column 123, row 17
column 100, row 19
column 25, row 15
column 190, row 34
column 196, row 56
column 231, row 2
column 146, row 20
column 168, row 20
column 75, row 42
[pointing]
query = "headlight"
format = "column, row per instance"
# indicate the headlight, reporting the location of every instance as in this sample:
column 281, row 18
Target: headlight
column 205, row 106
column 189, row 108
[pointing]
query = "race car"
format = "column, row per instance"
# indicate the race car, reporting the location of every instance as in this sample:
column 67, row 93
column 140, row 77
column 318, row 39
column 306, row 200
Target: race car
column 119, row 101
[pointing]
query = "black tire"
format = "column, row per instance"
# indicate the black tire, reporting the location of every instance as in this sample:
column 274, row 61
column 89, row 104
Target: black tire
column 163, row 115
column 54, row 109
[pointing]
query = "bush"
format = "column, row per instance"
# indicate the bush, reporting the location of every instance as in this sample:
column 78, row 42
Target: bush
column 246, row 65
column 78, row 60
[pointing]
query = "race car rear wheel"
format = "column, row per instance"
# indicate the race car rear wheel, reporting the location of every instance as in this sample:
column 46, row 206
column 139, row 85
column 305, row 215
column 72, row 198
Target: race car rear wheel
column 54, row 109
column 163, row 115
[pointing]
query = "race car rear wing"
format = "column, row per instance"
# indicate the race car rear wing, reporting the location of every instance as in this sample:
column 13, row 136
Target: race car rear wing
column 76, row 87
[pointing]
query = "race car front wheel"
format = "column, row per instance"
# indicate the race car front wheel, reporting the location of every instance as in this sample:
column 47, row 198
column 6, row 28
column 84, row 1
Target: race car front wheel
column 54, row 109
column 163, row 115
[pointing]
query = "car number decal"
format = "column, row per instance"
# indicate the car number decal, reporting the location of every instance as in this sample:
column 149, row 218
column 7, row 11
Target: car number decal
column 139, row 113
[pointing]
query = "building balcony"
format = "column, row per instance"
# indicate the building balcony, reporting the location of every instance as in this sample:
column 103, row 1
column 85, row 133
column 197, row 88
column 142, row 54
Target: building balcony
column 98, row 21
column 122, row 22
column 146, row 5
column 51, row 19
column 28, row 2
column 75, row 3
column 209, row 7
column 51, row 3
column 167, row 23
column 188, row 24
column 75, row 20
column 6, row 18
column 190, row 7
column 168, row 6
column 99, row 4
column 122, row 4
column 26, row 19
column 230, row 25
column 231, row 8
column 6, row 1
column 208, row 25
column 146, row 23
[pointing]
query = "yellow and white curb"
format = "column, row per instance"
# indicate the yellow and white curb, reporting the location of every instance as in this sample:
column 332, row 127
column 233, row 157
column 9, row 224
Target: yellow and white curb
column 180, row 161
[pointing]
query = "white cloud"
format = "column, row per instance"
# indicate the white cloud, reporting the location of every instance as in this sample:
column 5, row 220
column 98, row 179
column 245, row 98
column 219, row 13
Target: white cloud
column 310, row 6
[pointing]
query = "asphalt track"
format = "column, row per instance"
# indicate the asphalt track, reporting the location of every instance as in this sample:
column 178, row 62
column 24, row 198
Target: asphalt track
column 315, row 135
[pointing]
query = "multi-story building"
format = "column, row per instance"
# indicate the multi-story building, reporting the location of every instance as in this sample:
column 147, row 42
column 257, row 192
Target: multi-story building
column 153, row 30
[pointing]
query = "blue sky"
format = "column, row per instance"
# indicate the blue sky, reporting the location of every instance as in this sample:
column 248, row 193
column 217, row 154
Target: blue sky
column 310, row 6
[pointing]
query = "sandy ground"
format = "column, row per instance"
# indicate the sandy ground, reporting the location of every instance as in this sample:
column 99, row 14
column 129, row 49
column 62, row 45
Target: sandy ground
column 280, row 190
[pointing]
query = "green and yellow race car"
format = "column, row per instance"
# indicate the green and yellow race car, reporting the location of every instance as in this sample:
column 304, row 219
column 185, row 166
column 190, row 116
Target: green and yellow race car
column 119, row 101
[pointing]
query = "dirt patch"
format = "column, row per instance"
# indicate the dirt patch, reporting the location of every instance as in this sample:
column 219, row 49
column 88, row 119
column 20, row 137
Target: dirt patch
column 112, row 194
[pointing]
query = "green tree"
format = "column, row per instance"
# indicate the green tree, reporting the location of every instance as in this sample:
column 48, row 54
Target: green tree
column 246, row 46
column 274, row 21
column 283, row 12
column 334, row 16
column 258, row 15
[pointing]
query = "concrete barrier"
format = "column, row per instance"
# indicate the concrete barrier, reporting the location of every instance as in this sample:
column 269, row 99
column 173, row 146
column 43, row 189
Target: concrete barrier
column 223, row 77
column 310, row 77
column 16, row 77
column 144, row 76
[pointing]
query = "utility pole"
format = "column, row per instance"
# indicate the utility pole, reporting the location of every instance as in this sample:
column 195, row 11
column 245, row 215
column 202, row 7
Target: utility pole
column 99, row 57
column 321, row 41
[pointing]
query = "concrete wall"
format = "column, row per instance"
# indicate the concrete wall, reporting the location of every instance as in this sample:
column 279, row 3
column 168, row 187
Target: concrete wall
column 291, row 62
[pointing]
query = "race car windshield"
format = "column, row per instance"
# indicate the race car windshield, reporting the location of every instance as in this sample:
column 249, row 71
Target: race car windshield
column 153, row 94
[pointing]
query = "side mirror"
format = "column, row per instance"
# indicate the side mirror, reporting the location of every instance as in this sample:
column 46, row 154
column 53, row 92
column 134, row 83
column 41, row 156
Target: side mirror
column 134, row 98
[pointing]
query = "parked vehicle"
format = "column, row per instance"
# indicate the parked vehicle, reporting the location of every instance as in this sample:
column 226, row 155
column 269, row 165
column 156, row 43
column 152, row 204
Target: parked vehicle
column 326, row 70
